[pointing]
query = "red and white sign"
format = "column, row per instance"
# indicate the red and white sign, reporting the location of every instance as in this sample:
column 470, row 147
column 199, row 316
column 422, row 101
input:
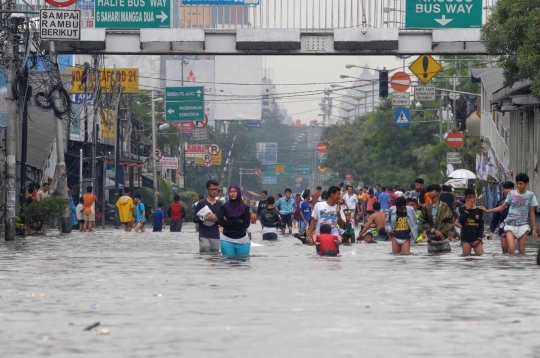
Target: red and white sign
column 207, row 159
column 61, row 3
column 158, row 154
column 321, row 147
column 454, row 140
column 195, row 150
column 400, row 81
column 201, row 124
column 214, row 148
column 169, row 163
column 185, row 127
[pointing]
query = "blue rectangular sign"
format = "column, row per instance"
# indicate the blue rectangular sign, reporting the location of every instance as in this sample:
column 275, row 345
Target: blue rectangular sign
column 269, row 180
column 220, row 2
column 403, row 117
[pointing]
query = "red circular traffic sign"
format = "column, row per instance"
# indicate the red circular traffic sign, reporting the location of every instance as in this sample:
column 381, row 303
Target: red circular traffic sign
column 61, row 3
column 321, row 147
column 214, row 148
column 400, row 81
column 454, row 139
column 201, row 124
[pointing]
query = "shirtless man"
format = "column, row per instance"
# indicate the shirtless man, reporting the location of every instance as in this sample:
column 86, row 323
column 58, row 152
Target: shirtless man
column 376, row 221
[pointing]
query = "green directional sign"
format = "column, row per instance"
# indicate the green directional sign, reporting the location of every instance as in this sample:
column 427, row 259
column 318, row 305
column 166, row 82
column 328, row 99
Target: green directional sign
column 133, row 14
column 443, row 14
column 184, row 103
column 305, row 170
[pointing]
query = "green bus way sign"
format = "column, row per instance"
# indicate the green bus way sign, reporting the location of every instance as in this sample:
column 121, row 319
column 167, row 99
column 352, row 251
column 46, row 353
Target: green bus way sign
column 443, row 14
column 184, row 103
column 133, row 14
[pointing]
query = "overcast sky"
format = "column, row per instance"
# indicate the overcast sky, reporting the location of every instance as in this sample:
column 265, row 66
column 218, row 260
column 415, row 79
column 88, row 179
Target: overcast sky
column 317, row 69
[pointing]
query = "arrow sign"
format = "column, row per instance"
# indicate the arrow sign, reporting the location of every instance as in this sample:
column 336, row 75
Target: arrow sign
column 163, row 16
column 198, row 93
column 170, row 111
column 133, row 14
column 443, row 21
column 443, row 14
column 253, row 125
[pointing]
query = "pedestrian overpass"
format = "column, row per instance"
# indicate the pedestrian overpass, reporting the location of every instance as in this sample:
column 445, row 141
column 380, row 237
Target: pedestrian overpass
column 289, row 27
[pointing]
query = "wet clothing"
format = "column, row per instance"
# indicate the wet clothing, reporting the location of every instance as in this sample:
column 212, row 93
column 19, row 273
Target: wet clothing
column 519, row 204
column 448, row 198
column 233, row 249
column 72, row 212
column 88, row 201
column 369, row 203
column 472, row 222
column 383, row 199
column 326, row 243
column 305, row 209
column 210, row 231
column 159, row 215
column 263, row 204
column 125, row 209
column 234, row 227
column 176, row 212
column 438, row 218
column 497, row 219
column 286, row 206
column 325, row 214
column 141, row 208
column 268, row 219
column 402, row 224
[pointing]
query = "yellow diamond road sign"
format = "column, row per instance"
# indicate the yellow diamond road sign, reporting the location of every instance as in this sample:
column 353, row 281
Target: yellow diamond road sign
column 425, row 68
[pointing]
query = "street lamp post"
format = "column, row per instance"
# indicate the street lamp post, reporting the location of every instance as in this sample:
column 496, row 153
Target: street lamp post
column 154, row 140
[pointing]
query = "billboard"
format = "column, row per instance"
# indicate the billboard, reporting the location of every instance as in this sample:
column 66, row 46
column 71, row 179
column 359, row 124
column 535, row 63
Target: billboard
column 195, row 72
column 240, row 88
column 267, row 153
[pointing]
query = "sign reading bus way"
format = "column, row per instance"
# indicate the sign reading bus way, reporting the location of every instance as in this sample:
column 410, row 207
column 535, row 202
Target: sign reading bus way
column 443, row 14
column 133, row 14
column 184, row 104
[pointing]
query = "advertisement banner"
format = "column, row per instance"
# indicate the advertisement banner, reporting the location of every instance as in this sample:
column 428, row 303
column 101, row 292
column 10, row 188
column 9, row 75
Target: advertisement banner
column 128, row 78
column 169, row 163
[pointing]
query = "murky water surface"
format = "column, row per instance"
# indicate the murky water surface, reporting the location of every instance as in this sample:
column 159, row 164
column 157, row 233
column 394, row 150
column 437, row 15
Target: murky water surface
column 156, row 297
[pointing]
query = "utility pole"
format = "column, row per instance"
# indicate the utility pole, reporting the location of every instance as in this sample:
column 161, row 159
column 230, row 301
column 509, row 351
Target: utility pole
column 24, row 137
column 11, row 136
column 154, row 161
column 61, row 186
column 96, row 118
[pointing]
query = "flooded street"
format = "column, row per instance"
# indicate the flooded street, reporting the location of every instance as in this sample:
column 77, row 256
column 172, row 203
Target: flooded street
column 158, row 298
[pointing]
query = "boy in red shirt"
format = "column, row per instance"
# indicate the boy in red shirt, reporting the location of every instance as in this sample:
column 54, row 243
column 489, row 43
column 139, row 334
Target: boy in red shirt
column 327, row 243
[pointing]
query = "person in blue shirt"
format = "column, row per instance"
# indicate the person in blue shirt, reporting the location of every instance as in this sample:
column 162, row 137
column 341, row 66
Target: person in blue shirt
column 286, row 206
column 384, row 199
column 141, row 211
column 159, row 218
column 305, row 212
column 72, row 211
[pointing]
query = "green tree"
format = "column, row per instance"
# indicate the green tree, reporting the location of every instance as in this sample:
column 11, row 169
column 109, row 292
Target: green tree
column 511, row 33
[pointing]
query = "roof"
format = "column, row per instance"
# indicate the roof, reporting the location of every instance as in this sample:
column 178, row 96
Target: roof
column 493, row 81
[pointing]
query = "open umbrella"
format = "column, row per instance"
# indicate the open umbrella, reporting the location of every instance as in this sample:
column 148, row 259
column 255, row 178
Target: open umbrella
column 462, row 174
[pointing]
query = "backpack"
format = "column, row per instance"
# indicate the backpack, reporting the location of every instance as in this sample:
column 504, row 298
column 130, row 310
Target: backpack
column 146, row 210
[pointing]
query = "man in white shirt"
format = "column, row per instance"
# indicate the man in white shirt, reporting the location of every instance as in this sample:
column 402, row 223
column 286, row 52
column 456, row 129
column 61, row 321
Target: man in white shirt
column 327, row 212
column 351, row 200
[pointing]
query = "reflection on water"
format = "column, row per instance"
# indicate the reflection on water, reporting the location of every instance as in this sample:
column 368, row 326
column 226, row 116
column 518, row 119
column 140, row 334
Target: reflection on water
column 154, row 295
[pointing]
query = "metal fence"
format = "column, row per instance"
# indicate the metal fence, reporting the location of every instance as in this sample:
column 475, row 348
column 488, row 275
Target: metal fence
column 314, row 15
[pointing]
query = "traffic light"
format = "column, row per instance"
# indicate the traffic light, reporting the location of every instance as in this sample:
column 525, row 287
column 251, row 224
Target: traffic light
column 383, row 83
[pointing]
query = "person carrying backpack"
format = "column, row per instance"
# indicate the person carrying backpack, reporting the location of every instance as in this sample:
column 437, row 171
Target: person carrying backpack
column 141, row 213
column 177, row 213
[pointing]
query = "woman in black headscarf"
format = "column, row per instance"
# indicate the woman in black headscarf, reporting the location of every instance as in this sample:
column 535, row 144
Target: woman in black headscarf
column 234, row 217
